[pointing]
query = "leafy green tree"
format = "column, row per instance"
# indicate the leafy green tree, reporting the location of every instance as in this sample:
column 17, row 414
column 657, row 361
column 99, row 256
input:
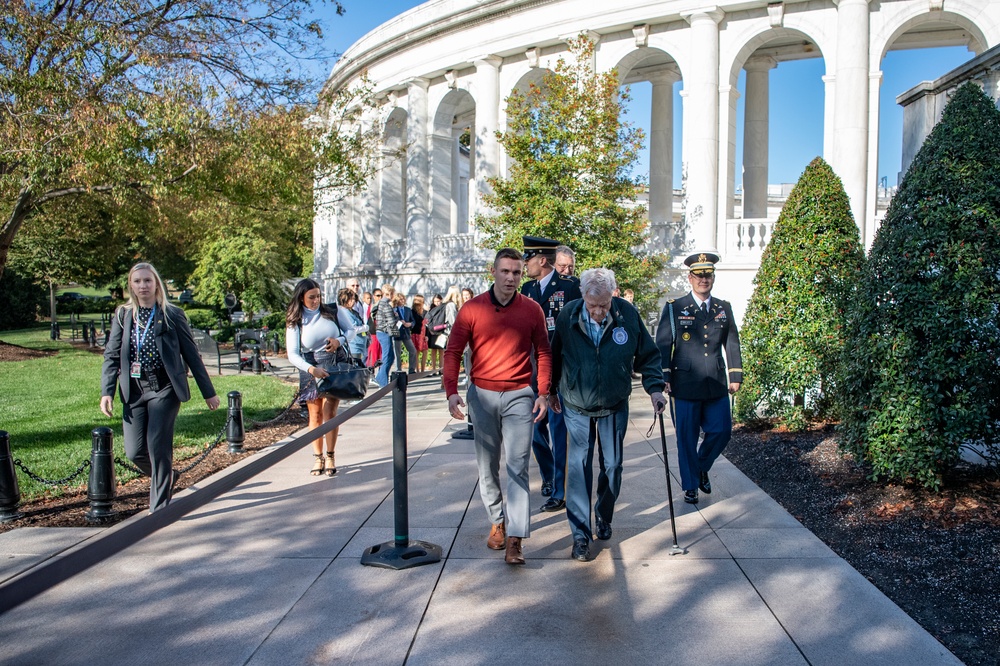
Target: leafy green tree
column 570, row 180
column 920, row 369
column 157, row 106
column 243, row 263
column 21, row 299
column 793, row 333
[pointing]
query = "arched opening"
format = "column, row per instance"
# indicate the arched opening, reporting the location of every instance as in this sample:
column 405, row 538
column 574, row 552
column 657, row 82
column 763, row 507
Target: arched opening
column 392, row 205
column 453, row 164
column 769, row 144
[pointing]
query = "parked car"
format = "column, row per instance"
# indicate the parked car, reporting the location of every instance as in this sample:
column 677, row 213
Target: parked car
column 70, row 296
column 186, row 297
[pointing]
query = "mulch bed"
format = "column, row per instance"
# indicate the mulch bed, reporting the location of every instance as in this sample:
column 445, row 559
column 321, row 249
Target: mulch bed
column 935, row 554
column 10, row 352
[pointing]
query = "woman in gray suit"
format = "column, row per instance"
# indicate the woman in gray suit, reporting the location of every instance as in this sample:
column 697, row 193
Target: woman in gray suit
column 147, row 357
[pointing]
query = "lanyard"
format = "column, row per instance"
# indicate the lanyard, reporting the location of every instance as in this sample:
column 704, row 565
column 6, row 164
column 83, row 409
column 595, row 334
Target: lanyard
column 149, row 324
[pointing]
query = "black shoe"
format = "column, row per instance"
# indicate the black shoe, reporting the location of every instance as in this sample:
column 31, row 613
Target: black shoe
column 463, row 434
column 691, row 496
column 581, row 550
column 603, row 530
column 704, row 485
column 553, row 504
column 546, row 488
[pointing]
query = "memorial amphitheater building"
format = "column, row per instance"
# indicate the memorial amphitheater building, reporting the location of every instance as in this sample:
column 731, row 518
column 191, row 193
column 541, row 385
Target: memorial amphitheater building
column 443, row 70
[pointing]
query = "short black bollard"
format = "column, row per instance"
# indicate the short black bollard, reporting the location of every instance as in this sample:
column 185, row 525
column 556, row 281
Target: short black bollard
column 401, row 552
column 10, row 492
column 93, row 335
column 274, row 344
column 102, row 485
column 257, row 364
column 234, row 423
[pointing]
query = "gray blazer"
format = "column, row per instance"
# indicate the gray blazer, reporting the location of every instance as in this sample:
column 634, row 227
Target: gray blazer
column 176, row 347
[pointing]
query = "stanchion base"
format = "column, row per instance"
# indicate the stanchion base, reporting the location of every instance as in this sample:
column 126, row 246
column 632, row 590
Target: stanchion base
column 677, row 550
column 100, row 513
column 236, row 448
column 390, row 556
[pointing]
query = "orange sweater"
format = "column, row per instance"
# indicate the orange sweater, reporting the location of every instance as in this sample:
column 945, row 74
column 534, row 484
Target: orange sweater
column 501, row 338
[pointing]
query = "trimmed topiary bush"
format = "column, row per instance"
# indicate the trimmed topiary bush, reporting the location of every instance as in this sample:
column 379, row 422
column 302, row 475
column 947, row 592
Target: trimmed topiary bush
column 921, row 368
column 793, row 332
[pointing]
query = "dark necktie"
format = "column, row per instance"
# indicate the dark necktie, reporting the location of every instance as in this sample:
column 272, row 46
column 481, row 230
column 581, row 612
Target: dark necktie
column 704, row 308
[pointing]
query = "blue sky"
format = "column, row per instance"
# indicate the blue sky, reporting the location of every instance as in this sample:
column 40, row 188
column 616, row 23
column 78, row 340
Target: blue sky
column 796, row 94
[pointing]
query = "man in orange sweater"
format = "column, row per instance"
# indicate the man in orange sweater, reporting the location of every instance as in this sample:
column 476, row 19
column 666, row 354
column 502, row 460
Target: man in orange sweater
column 501, row 328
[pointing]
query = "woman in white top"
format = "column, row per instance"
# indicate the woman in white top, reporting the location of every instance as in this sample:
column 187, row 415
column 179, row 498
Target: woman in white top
column 315, row 332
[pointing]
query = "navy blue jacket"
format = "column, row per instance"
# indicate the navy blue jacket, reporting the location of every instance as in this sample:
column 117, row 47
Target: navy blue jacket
column 560, row 290
column 691, row 348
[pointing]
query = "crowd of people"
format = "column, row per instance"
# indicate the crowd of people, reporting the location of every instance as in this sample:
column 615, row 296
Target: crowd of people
column 548, row 362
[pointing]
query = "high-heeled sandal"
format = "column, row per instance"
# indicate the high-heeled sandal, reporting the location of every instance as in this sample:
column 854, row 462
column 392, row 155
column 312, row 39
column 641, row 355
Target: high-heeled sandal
column 331, row 464
column 317, row 468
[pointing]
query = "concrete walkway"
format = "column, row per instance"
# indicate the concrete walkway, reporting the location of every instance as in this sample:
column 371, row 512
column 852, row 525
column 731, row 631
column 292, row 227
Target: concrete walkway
column 270, row 573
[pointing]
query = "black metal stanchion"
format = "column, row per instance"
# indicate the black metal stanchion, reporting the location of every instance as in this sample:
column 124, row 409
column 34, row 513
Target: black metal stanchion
column 235, row 433
column 10, row 492
column 401, row 552
column 102, row 484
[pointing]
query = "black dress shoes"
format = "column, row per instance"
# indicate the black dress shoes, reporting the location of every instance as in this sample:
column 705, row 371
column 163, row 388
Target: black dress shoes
column 581, row 550
column 553, row 504
column 546, row 488
column 603, row 530
column 691, row 496
column 704, row 485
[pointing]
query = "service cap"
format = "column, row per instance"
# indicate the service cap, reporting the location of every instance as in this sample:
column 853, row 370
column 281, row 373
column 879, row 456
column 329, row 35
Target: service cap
column 536, row 245
column 702, row 263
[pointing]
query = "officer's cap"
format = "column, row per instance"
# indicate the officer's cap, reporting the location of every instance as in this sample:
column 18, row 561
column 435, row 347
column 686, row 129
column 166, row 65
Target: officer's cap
column 702, row 263
column 535, row 245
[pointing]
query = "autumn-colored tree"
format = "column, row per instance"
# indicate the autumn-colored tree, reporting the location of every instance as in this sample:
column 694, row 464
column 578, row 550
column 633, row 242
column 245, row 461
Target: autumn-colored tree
column 157, row 106
column 570, row 179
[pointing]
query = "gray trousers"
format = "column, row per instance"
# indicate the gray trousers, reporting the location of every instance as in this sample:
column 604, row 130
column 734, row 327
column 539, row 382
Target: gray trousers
column 504, row 419
column 148, row 426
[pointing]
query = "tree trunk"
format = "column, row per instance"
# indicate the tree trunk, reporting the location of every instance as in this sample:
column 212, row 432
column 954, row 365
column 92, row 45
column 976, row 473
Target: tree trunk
column 9, row 230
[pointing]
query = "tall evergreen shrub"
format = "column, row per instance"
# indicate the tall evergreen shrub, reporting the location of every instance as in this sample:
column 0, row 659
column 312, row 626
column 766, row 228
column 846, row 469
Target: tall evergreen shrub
column 21, row 299
column 923, row 358
column 793, row 333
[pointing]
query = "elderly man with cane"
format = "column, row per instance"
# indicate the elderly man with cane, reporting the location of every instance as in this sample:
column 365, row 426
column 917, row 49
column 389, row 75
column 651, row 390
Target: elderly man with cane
column 692, row 333
column 598, row 341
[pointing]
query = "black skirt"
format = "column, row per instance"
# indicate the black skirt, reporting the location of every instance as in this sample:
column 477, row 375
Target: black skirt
column 307, row 383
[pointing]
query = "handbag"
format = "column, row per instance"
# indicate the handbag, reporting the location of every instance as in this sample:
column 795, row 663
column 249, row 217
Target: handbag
column 347, row 378
column 440, row 341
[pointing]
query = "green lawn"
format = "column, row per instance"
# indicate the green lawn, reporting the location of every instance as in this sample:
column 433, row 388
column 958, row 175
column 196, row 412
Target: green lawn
column 50, row 406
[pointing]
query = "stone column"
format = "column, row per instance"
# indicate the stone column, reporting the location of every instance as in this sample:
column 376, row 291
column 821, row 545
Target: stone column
column 755, row 137
column 418, row 241
column 661, row 147
column 485, row 147
column 850, row 143
column 829, row 97
column 701, row 118
column 456, row 181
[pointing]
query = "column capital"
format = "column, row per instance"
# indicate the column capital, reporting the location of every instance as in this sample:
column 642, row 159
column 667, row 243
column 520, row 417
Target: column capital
column 669, row 75
column 418, row 82
column 712, row 12
column 760, row 64
column 493, row 61
column 838, row 3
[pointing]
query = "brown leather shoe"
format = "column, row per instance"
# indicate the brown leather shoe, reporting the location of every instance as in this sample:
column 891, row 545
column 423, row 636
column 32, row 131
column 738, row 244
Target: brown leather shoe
column 498, row 536
column 514, row 555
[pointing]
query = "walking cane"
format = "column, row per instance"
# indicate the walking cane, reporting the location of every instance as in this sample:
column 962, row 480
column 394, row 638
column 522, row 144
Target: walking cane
column 675, row 550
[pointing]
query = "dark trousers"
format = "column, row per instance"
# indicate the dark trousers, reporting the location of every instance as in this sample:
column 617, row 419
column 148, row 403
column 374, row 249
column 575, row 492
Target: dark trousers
column 148, row 424
column 548, row 443
column 608, row 433
column 693, row 416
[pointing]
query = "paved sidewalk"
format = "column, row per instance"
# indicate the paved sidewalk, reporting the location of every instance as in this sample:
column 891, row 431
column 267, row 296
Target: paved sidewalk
column 270, row 573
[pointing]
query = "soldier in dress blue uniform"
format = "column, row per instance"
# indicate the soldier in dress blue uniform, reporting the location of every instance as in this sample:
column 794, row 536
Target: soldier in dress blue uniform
column 692, row 333
column 553, row 292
